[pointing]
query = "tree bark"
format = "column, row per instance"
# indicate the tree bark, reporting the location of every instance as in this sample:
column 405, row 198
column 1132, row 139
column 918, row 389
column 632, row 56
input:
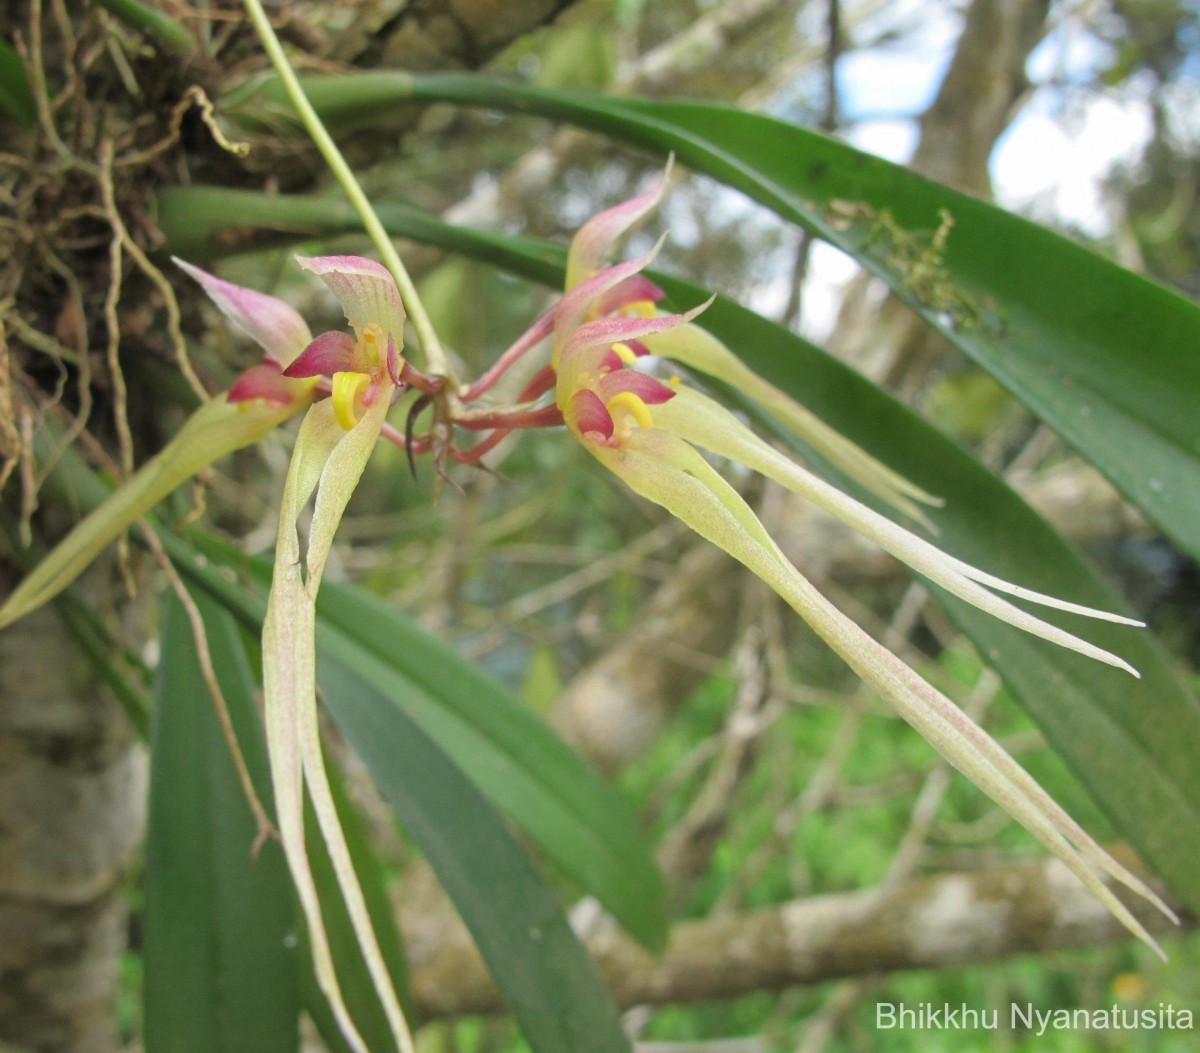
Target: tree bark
column 72, row 777
column 72, row 810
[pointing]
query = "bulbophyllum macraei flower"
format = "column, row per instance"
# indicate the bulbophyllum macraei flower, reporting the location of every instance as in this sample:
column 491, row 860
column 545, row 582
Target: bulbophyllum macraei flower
column 650, row 434
column 338, row 433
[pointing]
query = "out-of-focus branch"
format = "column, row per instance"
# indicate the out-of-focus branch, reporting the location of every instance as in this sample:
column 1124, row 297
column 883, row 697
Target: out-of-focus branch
column 613, row 710
column 934, row 922
column 985, row 82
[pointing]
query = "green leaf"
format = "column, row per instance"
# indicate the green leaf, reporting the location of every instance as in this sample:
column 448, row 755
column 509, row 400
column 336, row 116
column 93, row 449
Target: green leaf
column 543, row 972
column 1104, row 356
column 1131, row 742
column 219, row 972
column 574, row 816
column 1108, row 359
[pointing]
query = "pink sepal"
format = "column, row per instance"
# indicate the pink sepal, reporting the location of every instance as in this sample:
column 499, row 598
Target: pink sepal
column 272, row 324
column 604, row 332
column 365, row 289
column 266, row 383
column 329, row 353
column 635, row 289
column 593, row 240
column 650, row 390
column 576, row 303
column 586, row 415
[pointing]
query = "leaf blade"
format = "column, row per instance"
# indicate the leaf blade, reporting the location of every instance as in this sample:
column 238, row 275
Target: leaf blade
column 545, row 975
column 1065, row 321
column 219, row 972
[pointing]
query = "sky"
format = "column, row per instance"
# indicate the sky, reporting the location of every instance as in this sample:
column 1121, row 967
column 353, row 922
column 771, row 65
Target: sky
column 1048, row 165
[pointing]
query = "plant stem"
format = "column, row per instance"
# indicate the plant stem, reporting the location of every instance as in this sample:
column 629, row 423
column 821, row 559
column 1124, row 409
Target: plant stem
column 435, row 357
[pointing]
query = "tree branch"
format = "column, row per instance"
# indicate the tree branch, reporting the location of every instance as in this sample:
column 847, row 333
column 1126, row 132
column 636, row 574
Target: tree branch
column 930, row 922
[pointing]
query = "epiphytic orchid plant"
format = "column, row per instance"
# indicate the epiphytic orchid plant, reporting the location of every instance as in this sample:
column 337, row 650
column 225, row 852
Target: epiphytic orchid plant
column 646, row 430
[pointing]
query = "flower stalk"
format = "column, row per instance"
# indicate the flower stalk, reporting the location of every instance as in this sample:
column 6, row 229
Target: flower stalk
column 435, row 357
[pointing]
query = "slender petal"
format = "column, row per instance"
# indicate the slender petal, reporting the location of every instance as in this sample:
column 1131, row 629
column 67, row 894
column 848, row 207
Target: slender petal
column 691, row 346
column 366, row 291
column 666, row 470
column 329, row 460
column 289, row 679
column 274, row 325
column 628, row 294
column 594, row 239
column 578, row 301
column 698, row 419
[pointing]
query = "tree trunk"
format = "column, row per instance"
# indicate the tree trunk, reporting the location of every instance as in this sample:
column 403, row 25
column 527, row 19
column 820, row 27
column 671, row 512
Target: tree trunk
column 72, row 810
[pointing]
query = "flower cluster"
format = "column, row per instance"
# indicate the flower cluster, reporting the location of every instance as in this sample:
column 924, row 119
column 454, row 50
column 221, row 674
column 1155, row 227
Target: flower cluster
column 656, row 435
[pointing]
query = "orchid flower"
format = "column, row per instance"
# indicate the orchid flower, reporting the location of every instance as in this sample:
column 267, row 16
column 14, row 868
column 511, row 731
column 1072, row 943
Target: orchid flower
column 332, row 449
column 650, row 434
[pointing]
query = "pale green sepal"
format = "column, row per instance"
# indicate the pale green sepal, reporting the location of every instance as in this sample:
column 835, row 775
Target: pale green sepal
column 667, row 471
column 215, row 429
column 695, row 418
column 330, row 461
column 289, row 679
column 698, row 349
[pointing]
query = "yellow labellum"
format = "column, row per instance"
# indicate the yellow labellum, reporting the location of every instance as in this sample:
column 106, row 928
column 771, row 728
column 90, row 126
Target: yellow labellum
column 347, row 390
column 633, row 405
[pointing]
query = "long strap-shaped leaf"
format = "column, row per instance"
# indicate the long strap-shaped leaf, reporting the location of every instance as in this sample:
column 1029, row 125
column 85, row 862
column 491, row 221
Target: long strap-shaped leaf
column 1107, row 358
column 219, row 972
